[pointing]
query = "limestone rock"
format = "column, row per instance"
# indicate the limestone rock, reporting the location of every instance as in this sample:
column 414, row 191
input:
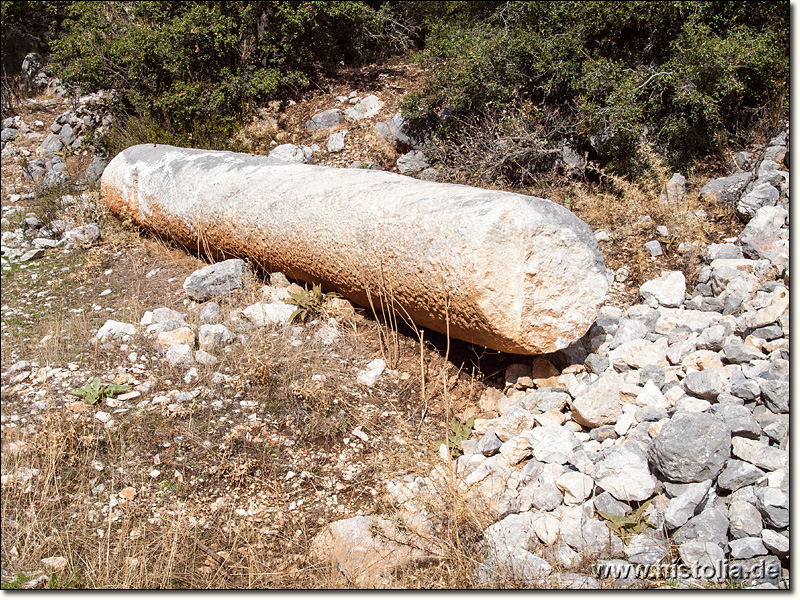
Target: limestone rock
column 775, row 542
column 324, row 119
column 212, row 338
column 8, row 134
column 180, row 355
column 51, row 144
column 590, row 536
column 683, row 507
column 336, row 141
column 627, row 331
column 637, row 354
column 711, row 525
column 545, row 400
column 606, row 503
column 490, row 444
column 163, row 319
column 575, row 486
column 216, row 280
column 373, row 371
column 514, row 531
column 622, row 471
column 747, row 547
column 115, row 330
column 701, row 555
column 691, row 447
column 759, row 454
column 411, row 134
column 644, row 549
column 726, row 250
column 516, row 449
column 209, row 313
column 262, row 314
column 765, row 233
column 654, row 248
column 762, row 194
column 738, row 474
column 674, row 190
column 167, row 339
column 779, row 303
column 600, row 403
column 553, row 444
column 511, row 272
column 67, row 135
column 204, row 358
column 85, row 235
column 705, row 384
column 739, row 419
column 775, row 395
column 546, row 528
column 412, row 162
column 291, row 154
column 364, row 109
column 725, row 190
column 541, row 496
column 745, row 520
column 95, row 169
column 668, row 290
column 513, row 422
column 366, row 550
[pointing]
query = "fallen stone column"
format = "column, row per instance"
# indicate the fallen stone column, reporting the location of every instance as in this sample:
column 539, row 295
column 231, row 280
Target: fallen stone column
column 511, row 272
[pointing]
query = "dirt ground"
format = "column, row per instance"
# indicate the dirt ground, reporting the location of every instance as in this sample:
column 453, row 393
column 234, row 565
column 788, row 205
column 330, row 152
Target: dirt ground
column 221, row 476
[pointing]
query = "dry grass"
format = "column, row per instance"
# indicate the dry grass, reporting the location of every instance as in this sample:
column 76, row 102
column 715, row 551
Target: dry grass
column 173, row 531
column 255, row 137
column 223, row 511
column 507, row 152
column 632, row 212
column 385, row 152
column 127, row 547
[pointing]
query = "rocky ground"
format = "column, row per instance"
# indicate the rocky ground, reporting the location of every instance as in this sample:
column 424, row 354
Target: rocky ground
column 227, row 446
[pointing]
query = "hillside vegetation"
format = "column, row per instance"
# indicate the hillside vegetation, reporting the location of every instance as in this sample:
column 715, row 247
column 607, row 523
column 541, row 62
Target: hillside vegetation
column 280, row 436
column 687, row 79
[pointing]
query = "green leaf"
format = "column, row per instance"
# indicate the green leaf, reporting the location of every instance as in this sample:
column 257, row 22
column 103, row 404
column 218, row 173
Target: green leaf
column 626, row 525
column 95, row 391
column 114, row 389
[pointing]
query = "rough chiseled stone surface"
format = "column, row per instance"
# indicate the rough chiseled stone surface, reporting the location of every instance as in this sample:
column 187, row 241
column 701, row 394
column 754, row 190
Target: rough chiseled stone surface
column 511, row 272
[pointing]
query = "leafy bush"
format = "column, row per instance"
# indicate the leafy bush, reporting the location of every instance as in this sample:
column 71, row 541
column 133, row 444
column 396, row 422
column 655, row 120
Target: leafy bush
column 688, row 76
column 184, row 63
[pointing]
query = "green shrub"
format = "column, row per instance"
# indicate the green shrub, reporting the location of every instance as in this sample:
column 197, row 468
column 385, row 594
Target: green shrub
column 690, row 77
column 183, row 63
column 687, row 77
